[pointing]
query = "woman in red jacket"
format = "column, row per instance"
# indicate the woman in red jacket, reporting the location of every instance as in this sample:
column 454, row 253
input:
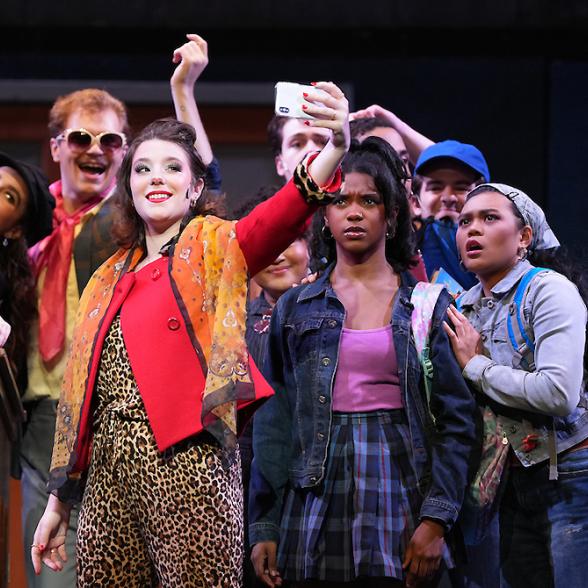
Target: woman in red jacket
column 159, row 379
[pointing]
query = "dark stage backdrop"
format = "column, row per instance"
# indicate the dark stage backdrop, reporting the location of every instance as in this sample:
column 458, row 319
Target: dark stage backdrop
column 510, row 78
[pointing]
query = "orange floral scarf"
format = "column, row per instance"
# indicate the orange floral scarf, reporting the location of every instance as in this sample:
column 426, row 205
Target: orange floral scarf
column 209, row 275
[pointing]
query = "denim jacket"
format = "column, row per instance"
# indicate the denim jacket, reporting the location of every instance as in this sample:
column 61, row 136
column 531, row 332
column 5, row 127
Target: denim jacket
column 291, row 431
column 550, row 398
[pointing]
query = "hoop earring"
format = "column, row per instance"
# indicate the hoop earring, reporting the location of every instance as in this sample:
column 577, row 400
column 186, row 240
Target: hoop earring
column 326, row 233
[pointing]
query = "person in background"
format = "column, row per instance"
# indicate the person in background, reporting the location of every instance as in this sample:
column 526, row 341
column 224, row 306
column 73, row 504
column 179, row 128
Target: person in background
column 414, row 142
column 532, row 377
column 352, row 482
column 366, row 126
column 446, row 172
column 25, row 217
column 291, row 140
column 287, row 270
column 88, row 140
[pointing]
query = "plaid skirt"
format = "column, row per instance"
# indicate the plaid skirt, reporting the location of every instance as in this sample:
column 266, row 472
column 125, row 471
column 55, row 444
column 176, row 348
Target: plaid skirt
column 359, row 520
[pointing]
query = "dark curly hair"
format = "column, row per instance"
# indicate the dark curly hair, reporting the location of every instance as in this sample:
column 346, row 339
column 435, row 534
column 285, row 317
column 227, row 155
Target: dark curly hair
column 128, row 227
column 376, row 158
column 18, row 303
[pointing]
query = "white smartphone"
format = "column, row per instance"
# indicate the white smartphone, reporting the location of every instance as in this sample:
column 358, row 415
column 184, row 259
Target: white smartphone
column 289, row 99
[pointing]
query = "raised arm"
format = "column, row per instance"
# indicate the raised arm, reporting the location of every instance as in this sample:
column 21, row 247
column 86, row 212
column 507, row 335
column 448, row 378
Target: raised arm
column 272, row 225
column 415, row 142
column 192, row 59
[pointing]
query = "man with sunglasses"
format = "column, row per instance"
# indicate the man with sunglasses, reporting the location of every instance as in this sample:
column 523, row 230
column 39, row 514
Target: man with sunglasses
column 89, row 139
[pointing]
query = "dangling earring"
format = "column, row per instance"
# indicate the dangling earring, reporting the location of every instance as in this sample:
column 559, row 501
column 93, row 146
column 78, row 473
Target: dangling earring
column 523, row 253
column 391, row 232
column 460, row 263
column 326, row 233
column 5, row 242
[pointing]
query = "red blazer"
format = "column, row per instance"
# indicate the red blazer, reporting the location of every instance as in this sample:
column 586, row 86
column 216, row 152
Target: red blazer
column 168, row 368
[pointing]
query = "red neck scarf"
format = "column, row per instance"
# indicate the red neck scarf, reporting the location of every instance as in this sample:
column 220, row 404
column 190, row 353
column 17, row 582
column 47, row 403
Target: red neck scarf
column 54, row 253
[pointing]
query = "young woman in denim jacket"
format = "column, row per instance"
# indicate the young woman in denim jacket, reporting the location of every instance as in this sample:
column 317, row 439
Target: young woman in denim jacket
column 353, row 482
column 542, row 407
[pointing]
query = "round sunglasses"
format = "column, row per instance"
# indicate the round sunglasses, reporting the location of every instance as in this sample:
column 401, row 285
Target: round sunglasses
column 82, row 140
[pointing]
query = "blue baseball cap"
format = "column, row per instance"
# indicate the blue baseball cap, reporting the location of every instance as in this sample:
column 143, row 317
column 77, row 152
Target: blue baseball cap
column 467, row 154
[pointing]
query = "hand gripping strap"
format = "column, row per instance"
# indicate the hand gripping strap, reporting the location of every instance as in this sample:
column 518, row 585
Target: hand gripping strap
column 518, row 334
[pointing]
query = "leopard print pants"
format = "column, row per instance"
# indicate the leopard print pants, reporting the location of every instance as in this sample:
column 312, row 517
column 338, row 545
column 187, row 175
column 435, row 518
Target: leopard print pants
column 148, row 518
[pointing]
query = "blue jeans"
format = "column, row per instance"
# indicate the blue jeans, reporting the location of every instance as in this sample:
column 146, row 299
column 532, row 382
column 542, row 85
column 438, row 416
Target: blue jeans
column 544, row 525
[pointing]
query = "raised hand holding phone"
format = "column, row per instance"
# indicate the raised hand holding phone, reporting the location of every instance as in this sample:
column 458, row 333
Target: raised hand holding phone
column 291, row 99
column 328, row 108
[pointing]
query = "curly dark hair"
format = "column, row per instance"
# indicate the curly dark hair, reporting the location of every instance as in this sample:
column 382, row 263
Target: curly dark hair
column 128, row 227
column 18, row 304
column 376, row 158
column 557, row 259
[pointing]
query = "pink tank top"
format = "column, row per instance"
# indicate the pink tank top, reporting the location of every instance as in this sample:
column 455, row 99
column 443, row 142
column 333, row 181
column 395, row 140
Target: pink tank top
column 367, row 372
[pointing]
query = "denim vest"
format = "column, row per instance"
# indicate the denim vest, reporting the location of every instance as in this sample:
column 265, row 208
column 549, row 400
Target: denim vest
column 291, row 431
column 557, row 423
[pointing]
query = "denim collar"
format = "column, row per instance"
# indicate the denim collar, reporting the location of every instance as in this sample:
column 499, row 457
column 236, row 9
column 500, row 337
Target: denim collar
column 503, row 287
column 318, row 288
column 259, row 306
column 323, row 286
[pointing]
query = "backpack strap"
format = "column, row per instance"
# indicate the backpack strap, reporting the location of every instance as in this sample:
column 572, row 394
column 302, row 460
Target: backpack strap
column 423, row 299
column 458, row 303
column 518, row 334
column 524, row 344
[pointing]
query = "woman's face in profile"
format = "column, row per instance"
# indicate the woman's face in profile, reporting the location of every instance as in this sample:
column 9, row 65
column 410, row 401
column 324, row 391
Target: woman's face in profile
column 14, row 199
column 489, row 236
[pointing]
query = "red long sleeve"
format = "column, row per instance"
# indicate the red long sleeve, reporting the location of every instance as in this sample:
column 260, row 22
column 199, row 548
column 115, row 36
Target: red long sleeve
column 272, row 225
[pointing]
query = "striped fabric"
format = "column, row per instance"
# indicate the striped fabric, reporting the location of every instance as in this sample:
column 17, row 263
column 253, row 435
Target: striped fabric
column 359, row 520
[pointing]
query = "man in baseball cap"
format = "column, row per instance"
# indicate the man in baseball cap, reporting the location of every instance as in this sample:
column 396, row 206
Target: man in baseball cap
column 444, row 174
